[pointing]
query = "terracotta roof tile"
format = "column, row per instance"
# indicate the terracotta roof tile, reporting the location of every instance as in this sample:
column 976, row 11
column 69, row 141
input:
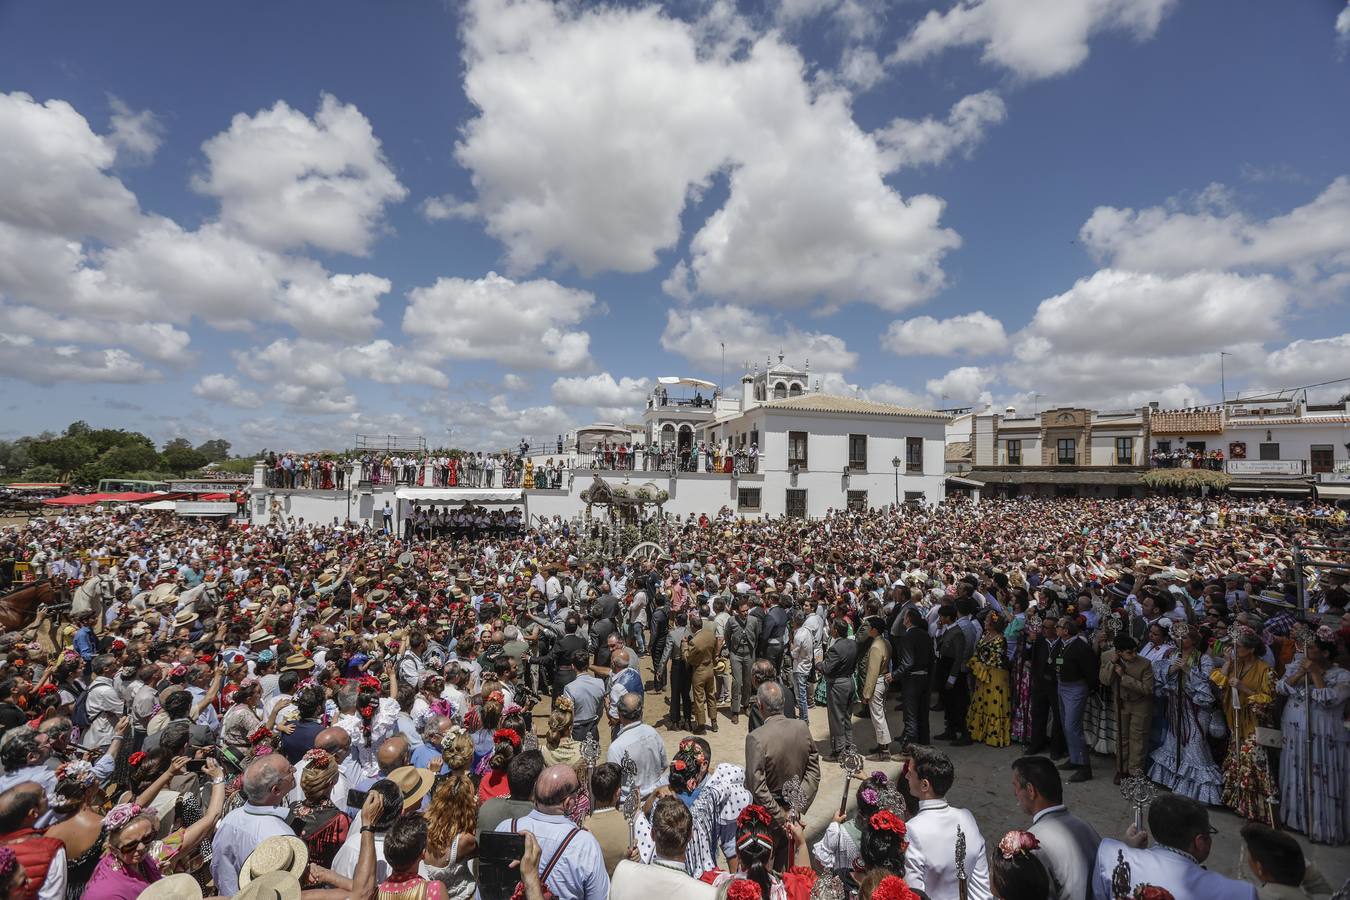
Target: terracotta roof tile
column 1186, row 422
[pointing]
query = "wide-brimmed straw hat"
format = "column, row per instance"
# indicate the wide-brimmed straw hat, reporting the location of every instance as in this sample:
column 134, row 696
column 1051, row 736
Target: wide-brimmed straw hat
column 283, row 853
column 413, row 783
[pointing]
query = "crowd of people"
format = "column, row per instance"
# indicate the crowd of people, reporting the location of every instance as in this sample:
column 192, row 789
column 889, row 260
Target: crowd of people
column 311, row 710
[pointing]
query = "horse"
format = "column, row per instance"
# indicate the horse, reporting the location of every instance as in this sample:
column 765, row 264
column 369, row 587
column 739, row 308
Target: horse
column 18, row 609
column 94, row 596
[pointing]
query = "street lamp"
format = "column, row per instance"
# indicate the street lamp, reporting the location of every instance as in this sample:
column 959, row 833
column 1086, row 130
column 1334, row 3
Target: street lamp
column 895, row 461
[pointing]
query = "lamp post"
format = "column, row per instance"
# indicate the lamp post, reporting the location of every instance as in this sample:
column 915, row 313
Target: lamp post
column 895, row 462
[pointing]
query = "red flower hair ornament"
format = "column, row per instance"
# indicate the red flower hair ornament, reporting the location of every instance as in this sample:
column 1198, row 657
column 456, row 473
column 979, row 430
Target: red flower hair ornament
column 506, row 734
column 893, row 888
column 885, row 820
column 136, row 759
column 744, row 889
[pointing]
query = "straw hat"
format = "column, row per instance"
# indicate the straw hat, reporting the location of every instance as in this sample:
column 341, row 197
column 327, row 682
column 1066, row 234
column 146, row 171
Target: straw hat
column 329, row 614
column 173, row 887
column 259, row 635
column 297, row 662
column 285, row 854
column 184, row 617
column 281, row 592
column 327, row 578
column 413, row 783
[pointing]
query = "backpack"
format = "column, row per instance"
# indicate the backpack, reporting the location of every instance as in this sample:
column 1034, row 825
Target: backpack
column 79, row 716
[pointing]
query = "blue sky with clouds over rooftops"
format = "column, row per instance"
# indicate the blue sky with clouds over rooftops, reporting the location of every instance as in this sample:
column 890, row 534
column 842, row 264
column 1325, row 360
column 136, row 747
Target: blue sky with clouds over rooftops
column 507, row 217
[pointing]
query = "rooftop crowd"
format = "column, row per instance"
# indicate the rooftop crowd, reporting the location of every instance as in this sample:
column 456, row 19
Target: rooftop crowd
column 344, row 711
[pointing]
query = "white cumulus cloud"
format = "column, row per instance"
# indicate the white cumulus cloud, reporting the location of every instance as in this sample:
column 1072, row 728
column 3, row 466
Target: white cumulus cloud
column 221, row 388
column 601, row 390
column 698, row 333
column 285, row 180
column 597, row 125
column 1158, row 239
column 929, row 141
column 136, row 134
column 527, row 323
column 1032, row 38
column 972, row 334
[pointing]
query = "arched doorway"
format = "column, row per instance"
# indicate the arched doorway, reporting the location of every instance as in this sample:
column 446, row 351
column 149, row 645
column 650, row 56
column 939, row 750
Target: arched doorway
column 780, row 391
column 795, row 390
column 686, row 438
column 667, row 436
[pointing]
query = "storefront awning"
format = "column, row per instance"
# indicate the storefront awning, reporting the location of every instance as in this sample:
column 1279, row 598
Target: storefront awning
column 964, row 482
column 1333, row 491
column 460, row 495
column 1284, row 488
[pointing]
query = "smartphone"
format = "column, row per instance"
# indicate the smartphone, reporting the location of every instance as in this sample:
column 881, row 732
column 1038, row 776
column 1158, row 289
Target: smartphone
column 497, row 850
column 196, row 765
column 356, row 799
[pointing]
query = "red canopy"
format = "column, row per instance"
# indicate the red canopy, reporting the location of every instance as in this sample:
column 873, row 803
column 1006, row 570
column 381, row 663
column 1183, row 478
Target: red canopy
column 89, row 499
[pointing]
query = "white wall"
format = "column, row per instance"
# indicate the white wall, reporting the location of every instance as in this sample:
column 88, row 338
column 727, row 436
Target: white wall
column 1295, row 441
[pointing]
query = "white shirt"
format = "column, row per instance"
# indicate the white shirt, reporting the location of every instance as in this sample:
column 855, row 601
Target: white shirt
column 642, row 742
column 1165, row 867
column 579, row 873
column 930, row 862
column 237, row 835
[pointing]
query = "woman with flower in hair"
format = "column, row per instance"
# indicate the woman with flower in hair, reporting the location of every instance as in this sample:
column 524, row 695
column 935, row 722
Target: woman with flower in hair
column 990, row 716
column 75, row 802
column 318, row 822
column 1245, row 687
column 505, row 745
column 755, row 835
column 13, row 877
column 489, row 717
column 1328, row 687
column 879, row 885
column 133, row 860
column 452, row 820
column 242, row 718
column 882, row 846
column 558, row 746
column 839, row 849
column 1014, row 871
column 1183, row 762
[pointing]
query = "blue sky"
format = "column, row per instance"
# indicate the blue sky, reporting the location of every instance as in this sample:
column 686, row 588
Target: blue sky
column 506, row 218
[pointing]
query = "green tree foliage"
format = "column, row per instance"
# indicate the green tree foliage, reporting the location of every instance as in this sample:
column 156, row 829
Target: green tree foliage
column 40, row 473
column 65, row 454
column 181, row 460
column 217, row 450
column 129, row 458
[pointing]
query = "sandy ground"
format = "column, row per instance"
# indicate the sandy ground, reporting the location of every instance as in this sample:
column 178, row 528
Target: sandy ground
column 983, row 785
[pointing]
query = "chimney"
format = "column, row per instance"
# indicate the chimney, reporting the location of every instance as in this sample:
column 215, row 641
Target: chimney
column 747, row 392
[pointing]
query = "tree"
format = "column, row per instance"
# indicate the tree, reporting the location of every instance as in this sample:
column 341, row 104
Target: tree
column 182, row 459
column 180, row 443
column 130, row 458
column 64, row 454
column 217, row 450
column 40, row 473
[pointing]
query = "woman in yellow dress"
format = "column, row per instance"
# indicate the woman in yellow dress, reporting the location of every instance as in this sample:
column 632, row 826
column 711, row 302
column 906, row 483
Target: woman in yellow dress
column 1245, row 688
column 990, row 717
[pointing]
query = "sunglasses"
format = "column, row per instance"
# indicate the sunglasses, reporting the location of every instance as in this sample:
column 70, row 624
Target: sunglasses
column 135, row 845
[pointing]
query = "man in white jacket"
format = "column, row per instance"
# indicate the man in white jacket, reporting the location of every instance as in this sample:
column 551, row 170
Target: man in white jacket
column 931, row 863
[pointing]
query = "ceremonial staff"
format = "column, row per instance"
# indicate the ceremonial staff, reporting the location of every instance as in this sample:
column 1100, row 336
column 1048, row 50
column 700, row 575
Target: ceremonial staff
column 631, row 797
column 852, row 763
column 960, row 862
column 1112, row 629
column 795, row 797
column 1303, row 636
column 590, row 754
column 1140, row 792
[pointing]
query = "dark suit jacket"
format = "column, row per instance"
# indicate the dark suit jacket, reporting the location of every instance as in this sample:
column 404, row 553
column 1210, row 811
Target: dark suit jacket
column 840, row 659
column 774, row 752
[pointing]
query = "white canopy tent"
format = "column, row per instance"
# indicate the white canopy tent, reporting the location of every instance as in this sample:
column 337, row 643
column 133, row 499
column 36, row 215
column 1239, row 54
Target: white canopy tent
column 686, row 381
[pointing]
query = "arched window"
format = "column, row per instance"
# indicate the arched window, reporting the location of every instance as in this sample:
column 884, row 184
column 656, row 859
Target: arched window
column 795, row 390
column 759, row 392
column 779, row 391
column 667, row 435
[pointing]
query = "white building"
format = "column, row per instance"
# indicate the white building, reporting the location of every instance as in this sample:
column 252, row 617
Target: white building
column 800, row 453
